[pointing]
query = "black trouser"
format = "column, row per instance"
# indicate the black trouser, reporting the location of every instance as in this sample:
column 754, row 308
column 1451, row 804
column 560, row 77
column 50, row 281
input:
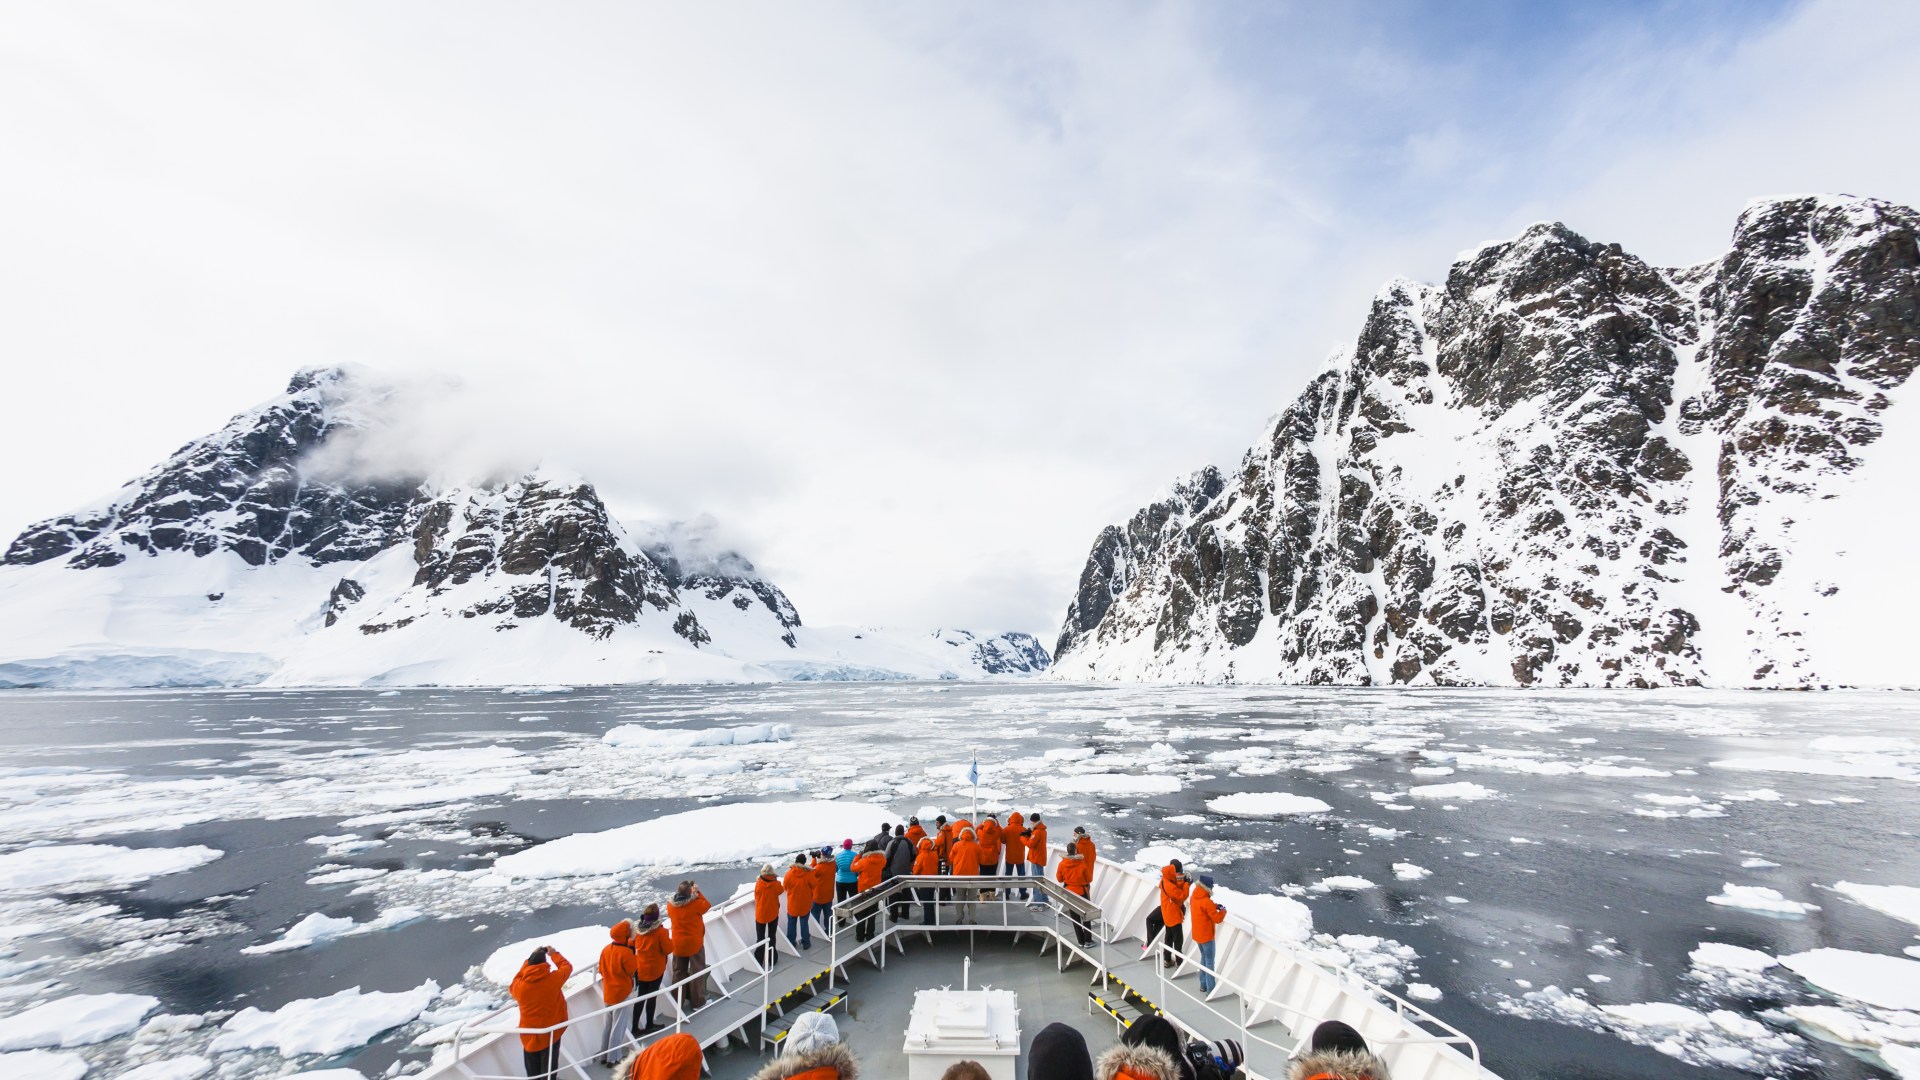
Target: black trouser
column 543, row 1063
column 649, row 1005
column 1176, row 939
column 1082, row 932
column 927, row 901
column 844, row 889
column 763, row 940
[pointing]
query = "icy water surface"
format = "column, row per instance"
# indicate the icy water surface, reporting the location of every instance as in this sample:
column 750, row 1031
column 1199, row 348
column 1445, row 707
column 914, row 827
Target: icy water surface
column 1532, row 859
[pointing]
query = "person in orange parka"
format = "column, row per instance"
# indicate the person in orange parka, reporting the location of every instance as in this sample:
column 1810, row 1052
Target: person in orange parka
column 990, row 836
column 823, row 869
column 965, row 861
column 540, row 990
column 1207, row 916
column 942, row 838
column 926, row 863
column 675, row 1057
column 799, row 887
column 1037, row 858
column 868, row 868
column 651, row 947
column 1084, row 845
column 617, row 964
column 1173, row 908
column 916, row 832
column 1075, row 874
column 766, row 913
column 687, row 911
column 1013, row 841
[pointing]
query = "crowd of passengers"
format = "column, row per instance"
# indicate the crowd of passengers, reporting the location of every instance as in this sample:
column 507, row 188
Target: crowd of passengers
column 671, row 945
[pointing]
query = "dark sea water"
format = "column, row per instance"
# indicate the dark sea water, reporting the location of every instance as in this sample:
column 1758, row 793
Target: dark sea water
column 1546, row 872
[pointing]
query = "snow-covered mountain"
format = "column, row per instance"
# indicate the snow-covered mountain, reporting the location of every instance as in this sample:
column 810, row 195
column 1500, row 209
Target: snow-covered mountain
column 265, row 553
column 1563, row 467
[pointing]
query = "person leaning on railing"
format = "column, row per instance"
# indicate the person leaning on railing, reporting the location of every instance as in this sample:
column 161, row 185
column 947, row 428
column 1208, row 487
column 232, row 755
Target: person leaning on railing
column 766, row 915
column 687, row 911
column 798, row 886
column 926, row 863
column 1076, row 876
column 652, row 946
column 617, row 966
column 868, row 870
column 823, row 870
column 1207, row 917
column 540, row 988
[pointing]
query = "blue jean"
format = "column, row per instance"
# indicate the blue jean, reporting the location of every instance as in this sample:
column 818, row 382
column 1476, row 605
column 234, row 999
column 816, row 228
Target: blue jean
column 1206, row 970
column 800, row 924
column 824, row 913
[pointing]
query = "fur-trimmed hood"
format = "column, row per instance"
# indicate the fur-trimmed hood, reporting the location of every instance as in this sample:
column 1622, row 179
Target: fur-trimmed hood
column 1138, row 1062
column 833, row 1056
column 1339, row 1064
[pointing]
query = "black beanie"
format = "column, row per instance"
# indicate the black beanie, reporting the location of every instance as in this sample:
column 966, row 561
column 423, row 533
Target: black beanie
column 1059, row 1052
column 1157, row 1032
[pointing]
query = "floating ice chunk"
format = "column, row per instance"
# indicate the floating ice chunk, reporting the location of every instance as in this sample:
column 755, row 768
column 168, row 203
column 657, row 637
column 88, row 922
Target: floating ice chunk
column 1758, row 898
column 1900, row 901
column 1757, row 864
column 1716, row 954
column 43, row 1065
column 581, row 946
column 1855, row 1025
column 1423, row 992
column 1465, row 791
column 693, row 767
column 1316, row 767
column 1277, row 918
column 1407, row 871
column 63, row 866
column 190, row 1067
column 782, row 783
column 1266, row 804
column 1432, row 770
column 1903, row 1060
column 1863, row 744
column 1070, row 753
column 733, row 832
column 1671, row 800
column 323, row 1026
column 1114, row 784
column 1886, row 981
column 1868, row 769
column 351, row 873
column 317, row 928
column 77, row 1020
column 1187, row 819
column 1160, row 855
column 638, row 737
column 1340, row 883
column 1659, row 1014
column 1379, row 833
column 1239, row 757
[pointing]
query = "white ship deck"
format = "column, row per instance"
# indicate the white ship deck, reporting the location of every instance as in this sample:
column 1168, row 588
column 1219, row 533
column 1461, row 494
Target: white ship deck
column 1268, row 997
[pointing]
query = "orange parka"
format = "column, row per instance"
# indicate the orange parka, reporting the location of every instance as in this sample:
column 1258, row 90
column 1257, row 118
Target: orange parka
column 1085, row 846
column 1013, row 836
column 916, row 832
column 650, row 949
column 617, row 965
column 799, row 886
column 1173, row 897
column 689, row 925
column 541, row 992
column 822, row 880
column 965, row 858
column 766, row 899
column 989, row 835
column 1074, row 874
column 676, row 1057
column 1037, row 844
column 868, row 868
column 1206, row 915
column 926, row 860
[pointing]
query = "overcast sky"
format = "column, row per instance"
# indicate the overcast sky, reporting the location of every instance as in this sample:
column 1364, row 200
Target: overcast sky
column 913, row 298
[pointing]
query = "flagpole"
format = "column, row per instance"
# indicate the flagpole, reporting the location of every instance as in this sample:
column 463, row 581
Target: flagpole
column 976, row 788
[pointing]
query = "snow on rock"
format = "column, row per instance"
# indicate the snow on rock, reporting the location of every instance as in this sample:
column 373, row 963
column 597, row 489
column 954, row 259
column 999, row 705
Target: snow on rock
column 43, row 1065
column 735, row 832
column 1464, row 791
column 67, row 866
column 636, row 736
column 191, row 1067
column 77, row 1020
column 1114, row 784
column 1900, row 901
column 1760, row 899
column 317, row 928
column 324, row 1026
column 1889, row 982
column 1266, row 804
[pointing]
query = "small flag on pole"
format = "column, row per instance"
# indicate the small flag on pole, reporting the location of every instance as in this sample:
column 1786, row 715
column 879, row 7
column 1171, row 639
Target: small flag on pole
column 973, row 771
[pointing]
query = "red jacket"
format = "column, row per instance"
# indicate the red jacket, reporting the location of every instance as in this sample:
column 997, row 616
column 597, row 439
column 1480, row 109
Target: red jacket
column 541, row 991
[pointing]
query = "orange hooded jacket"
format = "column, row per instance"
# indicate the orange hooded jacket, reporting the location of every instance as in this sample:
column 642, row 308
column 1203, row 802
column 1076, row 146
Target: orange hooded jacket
column 989, row 835
column 926, row 860
column 1074, row 874
column 965, row 856
column 799, row 886
column 1085, row 844
column 1206, row 915
column 916, row 833
column 541, row 991
column 1037, row 844
column 1173, row 897
column 868, row 868
column 689, row 925
column 676, row 1057
column 617, row 965
column 650, row 949
column 766, row 899
column 822, row 880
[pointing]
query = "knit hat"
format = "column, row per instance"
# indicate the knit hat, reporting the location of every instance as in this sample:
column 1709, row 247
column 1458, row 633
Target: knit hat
column 766, row 870
column 1334, row 1035
column 1207, row 880
column 812, row 1031
column 1059, row 1053
column 800, row 859
column 1177, row 868
column 650, row 916
column 847, row 843
column 1079, row 830
column 1035, row 817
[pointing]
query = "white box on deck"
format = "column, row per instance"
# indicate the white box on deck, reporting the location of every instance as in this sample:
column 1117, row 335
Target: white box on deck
column 963, row 1025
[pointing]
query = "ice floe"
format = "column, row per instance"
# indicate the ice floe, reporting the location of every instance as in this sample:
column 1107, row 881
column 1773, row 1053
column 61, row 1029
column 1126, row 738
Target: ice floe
column 1340, row 883
column 43, row 1065
column 1464, row 791
column 1266, row 804
column 325, row 1026
column 1900, row 901
column 1407, row 871
column 733, row 832
column 639, row 737
column 1760, row 899
column 1890, row 982
column 581, row 946
column 1715, row 954
column 61, row 867
column 317, row 928
column 191, row 1067
column 1114, row 784
column 76, row 1020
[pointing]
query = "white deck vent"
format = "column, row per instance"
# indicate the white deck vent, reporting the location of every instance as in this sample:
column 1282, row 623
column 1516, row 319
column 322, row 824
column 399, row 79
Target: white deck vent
column 949, row 1026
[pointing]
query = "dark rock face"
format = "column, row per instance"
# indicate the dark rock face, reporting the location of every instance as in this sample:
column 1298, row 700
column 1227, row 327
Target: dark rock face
column 1001, row 654
column 1531, row 474
column 241, row 490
